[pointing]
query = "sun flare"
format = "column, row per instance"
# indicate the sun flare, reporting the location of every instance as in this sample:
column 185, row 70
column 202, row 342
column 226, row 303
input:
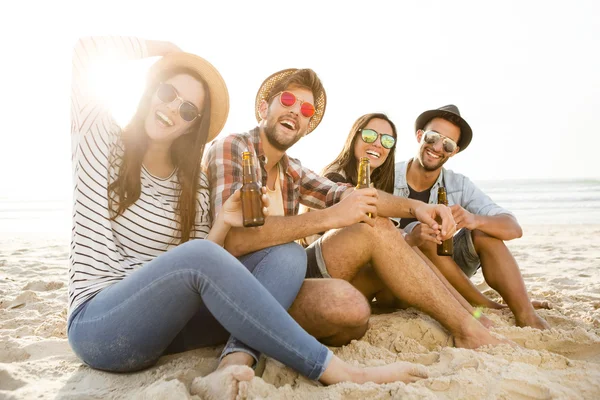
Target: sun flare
column 118, row 86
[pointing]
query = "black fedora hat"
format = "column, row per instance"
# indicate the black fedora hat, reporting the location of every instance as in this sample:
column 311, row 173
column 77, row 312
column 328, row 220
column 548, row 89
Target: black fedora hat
column 466, row 134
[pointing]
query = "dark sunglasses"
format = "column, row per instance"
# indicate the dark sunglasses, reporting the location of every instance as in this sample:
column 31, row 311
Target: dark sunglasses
column 370, row 136
column 167, row 94
column 288, row 99
column 432, row 137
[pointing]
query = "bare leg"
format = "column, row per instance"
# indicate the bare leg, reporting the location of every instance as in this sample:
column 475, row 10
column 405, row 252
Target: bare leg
column 502, row 273
column 347, row 250
column 457, row 278
column 331, row 310
column 369, row 284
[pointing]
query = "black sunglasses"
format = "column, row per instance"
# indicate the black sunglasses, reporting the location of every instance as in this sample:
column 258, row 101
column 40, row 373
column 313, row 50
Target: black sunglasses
column 167, row 94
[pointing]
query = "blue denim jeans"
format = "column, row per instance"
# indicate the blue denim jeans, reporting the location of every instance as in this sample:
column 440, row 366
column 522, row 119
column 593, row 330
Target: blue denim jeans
column 194, row 296
column 281, row 270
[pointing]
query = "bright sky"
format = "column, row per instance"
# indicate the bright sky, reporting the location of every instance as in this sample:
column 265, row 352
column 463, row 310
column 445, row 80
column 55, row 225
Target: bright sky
column 525, row 74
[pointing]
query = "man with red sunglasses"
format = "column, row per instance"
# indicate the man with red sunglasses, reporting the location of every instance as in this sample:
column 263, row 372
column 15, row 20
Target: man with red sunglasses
column 289, row 105
column 483, row 225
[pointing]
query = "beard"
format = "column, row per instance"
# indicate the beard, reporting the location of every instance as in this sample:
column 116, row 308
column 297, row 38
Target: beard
column 431, row 168
column 277, row 140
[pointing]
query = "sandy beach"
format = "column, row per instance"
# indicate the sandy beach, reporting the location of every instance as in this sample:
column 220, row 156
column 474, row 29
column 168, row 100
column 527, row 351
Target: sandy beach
column 559, row 264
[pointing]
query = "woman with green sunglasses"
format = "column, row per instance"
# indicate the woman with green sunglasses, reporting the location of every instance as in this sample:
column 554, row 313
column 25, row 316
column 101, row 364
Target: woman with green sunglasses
column 373, row 136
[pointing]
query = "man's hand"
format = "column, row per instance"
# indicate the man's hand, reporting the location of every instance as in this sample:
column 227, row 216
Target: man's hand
column 427, row 213
column 422, row 233
column 463, row 218
column 232, row 209
column 354, row 208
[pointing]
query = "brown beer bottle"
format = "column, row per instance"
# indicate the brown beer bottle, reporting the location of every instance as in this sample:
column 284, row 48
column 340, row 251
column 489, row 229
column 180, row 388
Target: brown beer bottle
column 364, row 175
column 447, row 246
column 251, row 194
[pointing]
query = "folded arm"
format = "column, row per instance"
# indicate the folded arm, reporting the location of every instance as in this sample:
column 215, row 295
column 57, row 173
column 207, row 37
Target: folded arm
column 478, row 211
column 502, row 226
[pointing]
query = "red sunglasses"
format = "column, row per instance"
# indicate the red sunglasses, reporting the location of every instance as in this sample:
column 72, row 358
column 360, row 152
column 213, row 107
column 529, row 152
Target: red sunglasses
column 288, row 99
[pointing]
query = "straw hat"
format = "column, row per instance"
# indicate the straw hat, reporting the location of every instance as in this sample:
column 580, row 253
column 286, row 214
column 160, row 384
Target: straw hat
column 219, row 96
column 265, row 90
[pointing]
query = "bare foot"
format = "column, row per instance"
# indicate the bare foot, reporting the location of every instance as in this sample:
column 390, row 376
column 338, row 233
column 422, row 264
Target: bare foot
column 533, row 321
column 399, row 371
column 223, row 383
column 485, row 321
column 474, row 335
column 340, row 371
column 545, row 304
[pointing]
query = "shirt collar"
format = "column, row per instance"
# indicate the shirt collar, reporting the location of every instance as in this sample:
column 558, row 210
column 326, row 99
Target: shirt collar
column 403, row 182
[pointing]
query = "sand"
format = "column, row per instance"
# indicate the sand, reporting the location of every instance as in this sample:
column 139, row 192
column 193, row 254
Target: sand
column 559, row 264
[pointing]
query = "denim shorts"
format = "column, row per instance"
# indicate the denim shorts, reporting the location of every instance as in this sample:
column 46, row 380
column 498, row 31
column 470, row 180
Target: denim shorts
column 464, row 252
column 315, row 263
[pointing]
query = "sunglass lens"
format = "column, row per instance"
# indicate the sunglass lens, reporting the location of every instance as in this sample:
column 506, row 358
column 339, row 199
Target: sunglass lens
column 369, row 135
column 188, row 111
column 449, row 146
column 387, row 141
column 166, row 93
column 307, row 109
column 431, row 137
column 288, row 99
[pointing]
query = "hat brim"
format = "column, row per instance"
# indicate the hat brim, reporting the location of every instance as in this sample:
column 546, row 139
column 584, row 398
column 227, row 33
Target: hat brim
column 219, row 95
column 267, row 85
column 466, row 133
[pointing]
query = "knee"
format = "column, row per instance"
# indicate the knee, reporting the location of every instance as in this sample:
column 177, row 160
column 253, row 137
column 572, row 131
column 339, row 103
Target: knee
column 482, row 240
column 201, row 255
column 289, row 259
column 350, row 306
column 382, row 223
column 198, row 248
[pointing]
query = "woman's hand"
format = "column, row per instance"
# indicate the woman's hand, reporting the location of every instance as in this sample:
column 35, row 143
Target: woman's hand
column 231, row 213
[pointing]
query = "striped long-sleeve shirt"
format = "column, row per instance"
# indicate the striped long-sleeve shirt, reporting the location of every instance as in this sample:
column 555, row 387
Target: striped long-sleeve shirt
column 104, row 251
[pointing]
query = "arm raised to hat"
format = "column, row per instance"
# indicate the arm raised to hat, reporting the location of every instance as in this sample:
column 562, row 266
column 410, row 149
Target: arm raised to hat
column 92, row 55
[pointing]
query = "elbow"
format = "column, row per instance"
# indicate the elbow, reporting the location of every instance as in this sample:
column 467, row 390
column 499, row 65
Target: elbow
column 518, row 232
column 515, row 232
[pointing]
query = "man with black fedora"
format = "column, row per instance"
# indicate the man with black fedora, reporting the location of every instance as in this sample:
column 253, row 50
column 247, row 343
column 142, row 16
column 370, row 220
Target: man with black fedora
column 289, row 105
column 482, row 225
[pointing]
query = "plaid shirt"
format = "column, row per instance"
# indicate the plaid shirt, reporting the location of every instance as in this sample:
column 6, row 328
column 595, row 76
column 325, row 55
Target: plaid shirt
column 223, row 165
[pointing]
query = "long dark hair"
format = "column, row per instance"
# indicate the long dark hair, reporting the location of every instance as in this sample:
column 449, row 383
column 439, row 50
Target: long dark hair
column 186, row 153
column 382, row 177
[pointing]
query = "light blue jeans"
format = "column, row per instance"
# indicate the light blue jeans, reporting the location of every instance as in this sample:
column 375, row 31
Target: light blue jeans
column 194, row 296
